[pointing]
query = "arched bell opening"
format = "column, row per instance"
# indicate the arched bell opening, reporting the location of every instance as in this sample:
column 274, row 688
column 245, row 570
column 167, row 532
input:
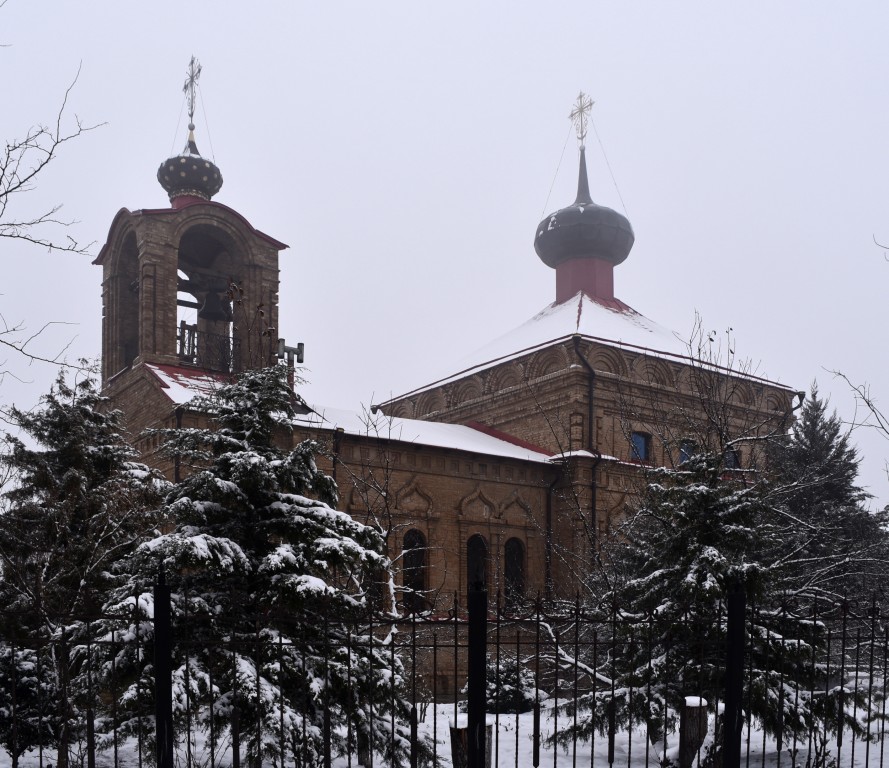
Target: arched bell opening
column 127, row 287
column 207, row 270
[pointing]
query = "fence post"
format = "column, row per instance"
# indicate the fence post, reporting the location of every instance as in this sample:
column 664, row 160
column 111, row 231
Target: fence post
column 477, row 661
column 734, row 675
column 163, row 672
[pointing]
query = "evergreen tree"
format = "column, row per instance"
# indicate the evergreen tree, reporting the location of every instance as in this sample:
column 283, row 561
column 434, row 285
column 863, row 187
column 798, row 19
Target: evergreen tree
column 833, row 544
column 698, row 532
column 76, row 503
column 272, row 587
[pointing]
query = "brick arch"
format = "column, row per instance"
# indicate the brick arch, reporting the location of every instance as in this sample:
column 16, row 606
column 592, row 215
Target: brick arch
column 413, row 500
column 653, row 371
column 504, row 377
column 430, row 402
column 514, row 510
column 216, row 224
column 608, row 361
column 477, row 505
column 685, row 379
column 404, row 409
column 775, row 403
column 466, row 390
column 545, row 362
column 741, row 394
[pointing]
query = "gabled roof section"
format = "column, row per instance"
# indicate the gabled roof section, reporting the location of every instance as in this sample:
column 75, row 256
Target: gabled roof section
column 182, row 384
column 434, row 434
column 617, row 326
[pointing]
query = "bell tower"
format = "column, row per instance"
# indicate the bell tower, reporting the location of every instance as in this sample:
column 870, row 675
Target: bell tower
column 193, row 285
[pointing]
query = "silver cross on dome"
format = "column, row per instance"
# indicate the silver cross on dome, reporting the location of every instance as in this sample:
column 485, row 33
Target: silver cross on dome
column 580, row 115
column 191, row 83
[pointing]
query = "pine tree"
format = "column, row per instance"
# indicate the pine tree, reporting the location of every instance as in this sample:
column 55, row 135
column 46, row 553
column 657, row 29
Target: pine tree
column 833, row 545
column 699, row 531
column 272, row 587
column 76, row 503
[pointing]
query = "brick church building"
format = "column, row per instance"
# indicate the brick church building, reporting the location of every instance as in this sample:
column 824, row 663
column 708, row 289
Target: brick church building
column 509, row 471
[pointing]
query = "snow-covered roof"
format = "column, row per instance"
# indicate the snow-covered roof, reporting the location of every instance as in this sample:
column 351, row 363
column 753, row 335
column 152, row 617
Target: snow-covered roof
column 429, row 433
column 182, row 384
column 621, row 328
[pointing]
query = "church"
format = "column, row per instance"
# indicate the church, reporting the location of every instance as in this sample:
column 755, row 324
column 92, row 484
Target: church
column 511, row 470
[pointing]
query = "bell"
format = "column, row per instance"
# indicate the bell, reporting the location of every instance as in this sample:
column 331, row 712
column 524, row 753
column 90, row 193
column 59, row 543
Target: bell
column 215, row 309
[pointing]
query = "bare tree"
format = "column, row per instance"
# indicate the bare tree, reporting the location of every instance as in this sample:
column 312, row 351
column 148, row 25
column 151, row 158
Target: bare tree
column 23, row 161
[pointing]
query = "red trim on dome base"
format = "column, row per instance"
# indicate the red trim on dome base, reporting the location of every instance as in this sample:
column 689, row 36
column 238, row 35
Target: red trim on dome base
column 184, row 200
column 595, row 277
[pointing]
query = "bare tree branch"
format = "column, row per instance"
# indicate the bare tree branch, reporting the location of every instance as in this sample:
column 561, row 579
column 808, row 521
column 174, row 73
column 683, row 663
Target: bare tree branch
column 22, row 160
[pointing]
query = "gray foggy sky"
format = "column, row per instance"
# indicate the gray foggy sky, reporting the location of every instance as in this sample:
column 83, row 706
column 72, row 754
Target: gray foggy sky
column 405, row 152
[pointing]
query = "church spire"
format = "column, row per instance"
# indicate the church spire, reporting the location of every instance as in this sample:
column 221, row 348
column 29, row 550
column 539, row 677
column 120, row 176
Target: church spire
column 188, row 175
column 583, row 184
column 579, row 115
column 584, row 241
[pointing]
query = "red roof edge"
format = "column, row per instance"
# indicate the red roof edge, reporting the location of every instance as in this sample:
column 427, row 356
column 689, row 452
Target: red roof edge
column 506, row 437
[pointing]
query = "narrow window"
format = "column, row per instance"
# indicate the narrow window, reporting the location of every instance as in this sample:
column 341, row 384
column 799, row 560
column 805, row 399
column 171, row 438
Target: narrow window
column 640, row 443
column 687, row 449
column 514, row 570
column 731, row 458
column 413, row 571
column 476, row 563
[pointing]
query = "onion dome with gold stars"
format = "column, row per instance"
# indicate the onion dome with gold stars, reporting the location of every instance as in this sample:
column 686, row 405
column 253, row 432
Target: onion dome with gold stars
column 189, row 174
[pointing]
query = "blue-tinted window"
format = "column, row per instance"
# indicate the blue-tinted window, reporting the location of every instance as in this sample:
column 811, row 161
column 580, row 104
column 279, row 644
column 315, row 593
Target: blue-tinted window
column 731, row 459
column 641, row 445
column 687, row 449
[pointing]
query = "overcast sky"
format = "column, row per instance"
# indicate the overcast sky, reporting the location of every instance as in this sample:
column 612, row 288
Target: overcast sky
column 406, row 151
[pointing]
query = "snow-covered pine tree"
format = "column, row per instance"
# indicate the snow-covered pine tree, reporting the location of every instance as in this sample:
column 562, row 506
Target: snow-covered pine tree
column 834, row 547
column 75, row 503
column 510, row 685
column 273, row 588
column 697, row 531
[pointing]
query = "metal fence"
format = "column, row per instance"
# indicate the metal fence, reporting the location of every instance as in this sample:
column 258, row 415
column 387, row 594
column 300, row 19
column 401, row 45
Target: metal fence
column 539, row 685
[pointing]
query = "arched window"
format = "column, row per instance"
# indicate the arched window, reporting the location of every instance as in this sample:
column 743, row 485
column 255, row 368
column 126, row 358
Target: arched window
column 413, row 571
column 476, row 563
column 514, row 570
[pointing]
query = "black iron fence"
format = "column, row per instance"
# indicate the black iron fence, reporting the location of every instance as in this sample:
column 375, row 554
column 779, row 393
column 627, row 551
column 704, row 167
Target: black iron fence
column 547, row 685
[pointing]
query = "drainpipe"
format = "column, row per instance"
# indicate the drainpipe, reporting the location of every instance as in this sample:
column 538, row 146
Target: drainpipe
column 591, row 447
column 176, row 466
column 548, row 542
column 337, row 443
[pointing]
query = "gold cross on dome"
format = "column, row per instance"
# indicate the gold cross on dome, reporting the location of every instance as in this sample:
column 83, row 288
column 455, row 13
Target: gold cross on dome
column 191, row 83
column 580, row 114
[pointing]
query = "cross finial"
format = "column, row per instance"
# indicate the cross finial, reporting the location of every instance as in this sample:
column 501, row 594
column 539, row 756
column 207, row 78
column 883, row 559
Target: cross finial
column 191, row 83
column 580, row 114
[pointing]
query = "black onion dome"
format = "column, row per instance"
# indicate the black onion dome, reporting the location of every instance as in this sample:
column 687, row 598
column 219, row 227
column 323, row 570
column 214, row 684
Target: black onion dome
column 190, row 174
column 583, row 230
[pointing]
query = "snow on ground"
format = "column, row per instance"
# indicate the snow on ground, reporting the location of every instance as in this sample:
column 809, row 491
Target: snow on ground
column 513, row 747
